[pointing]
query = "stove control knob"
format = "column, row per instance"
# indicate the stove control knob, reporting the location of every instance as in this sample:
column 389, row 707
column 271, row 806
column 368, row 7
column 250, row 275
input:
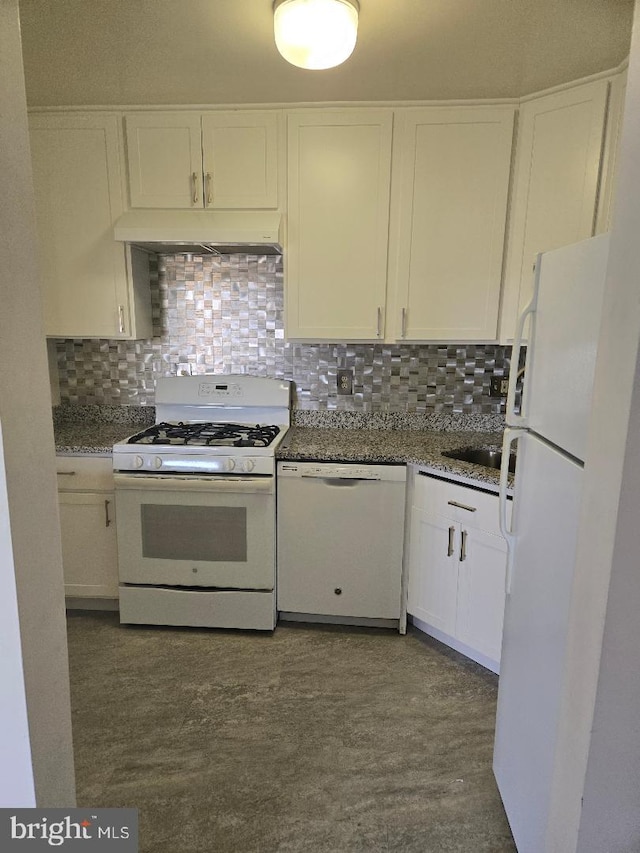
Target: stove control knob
column 138, row 461
column 231, row 464
column 248, row 465
column 157, row 462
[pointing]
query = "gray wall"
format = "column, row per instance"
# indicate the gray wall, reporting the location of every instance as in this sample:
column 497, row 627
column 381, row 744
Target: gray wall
column 596, row 796
column 25, row 411
column 611, row 808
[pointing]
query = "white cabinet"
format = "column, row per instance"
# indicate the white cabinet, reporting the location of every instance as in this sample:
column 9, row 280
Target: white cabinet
column 457, row 564
column 450, row 185
column 481, row 590
column 433, row 570
column 557, row 175
column 87, row 523
column 339, row 167
column 618, row 86
column 225, row 159
column 92, row 287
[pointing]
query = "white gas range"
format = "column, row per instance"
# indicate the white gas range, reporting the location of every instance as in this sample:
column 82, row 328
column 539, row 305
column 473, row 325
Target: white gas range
column 195, row 504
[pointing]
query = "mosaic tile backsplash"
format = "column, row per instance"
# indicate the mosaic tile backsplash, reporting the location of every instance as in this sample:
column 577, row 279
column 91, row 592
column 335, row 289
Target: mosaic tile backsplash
column 224, row 314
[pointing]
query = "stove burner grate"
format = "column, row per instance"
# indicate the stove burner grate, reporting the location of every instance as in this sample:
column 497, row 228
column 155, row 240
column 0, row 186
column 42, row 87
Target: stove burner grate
column 207, row 434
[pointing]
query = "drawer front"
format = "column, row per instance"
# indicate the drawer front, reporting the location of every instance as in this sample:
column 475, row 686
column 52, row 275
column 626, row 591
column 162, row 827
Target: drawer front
column 470, row 507
column 84, row 473
column 197, row 608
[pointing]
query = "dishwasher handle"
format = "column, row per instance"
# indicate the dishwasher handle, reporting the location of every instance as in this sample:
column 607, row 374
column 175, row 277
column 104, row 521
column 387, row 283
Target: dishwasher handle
column 339, row 481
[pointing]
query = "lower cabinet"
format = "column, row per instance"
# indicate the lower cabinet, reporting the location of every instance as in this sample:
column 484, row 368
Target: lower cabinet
column 87, row 524
column 457, row 565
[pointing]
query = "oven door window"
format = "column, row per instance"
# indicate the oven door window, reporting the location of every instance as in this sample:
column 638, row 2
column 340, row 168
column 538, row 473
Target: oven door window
column 208, row 533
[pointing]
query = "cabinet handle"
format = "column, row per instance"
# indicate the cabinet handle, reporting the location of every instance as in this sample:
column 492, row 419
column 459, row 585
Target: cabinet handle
column 452, row 530
column 121, row 318
column 379, row 329
column 209, row 183
column 403, row 324
column 66, row 473
column 463, row 547
column 462, row 506
column 194, row 181
column 107, row 520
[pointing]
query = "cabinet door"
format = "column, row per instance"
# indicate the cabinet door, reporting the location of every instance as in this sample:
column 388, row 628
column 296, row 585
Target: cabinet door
column 618, row 87
column 481, row 591
column 338, row 177
column 557, row 173
column 449, row 208
column 89, row 547
column 433, row 570
column 240, row 155
column 79, row 194
column 164, row 154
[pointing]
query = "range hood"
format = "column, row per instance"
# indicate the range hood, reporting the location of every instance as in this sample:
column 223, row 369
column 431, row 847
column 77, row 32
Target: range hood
column 201, row 232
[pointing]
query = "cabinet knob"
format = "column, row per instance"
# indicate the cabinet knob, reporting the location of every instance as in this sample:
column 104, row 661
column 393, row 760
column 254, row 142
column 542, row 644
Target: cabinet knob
column 338, row 590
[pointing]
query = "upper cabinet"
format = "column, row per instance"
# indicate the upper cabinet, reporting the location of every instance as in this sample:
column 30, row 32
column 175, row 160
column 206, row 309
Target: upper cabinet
column 91, row 285
column 339, row 168
column 611, row 151
column 217, row 160
column 450, row 188
column 397, row 218
column 555, row 195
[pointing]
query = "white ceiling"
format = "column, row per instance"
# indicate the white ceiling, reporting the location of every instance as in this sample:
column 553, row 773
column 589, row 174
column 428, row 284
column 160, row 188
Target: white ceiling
column 222, row 51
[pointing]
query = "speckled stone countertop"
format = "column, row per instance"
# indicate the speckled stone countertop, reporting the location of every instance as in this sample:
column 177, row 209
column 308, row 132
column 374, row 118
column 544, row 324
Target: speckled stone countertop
column 384, row 446
column 93, row 430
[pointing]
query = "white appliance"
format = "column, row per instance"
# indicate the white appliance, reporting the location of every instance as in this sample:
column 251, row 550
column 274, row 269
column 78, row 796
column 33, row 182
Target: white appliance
column 551, row 433
column 195, row 499
column 340, row 540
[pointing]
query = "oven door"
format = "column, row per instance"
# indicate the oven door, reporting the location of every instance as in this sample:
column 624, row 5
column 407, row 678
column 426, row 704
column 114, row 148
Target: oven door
column 196, row 531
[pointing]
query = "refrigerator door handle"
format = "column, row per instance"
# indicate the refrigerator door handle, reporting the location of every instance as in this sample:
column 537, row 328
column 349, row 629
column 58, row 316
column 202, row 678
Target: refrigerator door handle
column 510, row 435
column 513, row 418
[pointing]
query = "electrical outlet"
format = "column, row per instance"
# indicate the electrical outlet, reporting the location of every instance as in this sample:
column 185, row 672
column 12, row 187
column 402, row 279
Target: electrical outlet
column 499, row 386
column 345, row 380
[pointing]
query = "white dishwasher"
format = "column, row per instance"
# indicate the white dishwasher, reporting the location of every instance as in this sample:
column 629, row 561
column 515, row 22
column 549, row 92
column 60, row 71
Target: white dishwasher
column 340, row 532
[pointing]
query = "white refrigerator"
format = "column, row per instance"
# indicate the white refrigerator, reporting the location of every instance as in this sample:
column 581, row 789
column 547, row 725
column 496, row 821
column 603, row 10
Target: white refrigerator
column 550, row 431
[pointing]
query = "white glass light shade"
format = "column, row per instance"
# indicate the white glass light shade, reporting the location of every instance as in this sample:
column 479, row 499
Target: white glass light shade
column 315, row 34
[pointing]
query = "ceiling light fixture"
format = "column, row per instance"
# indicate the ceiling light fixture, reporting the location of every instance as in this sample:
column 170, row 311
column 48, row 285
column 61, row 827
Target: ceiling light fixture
column 316, row 34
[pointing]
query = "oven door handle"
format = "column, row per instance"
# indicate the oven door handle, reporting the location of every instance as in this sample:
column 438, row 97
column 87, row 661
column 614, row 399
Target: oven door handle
column 214, row 484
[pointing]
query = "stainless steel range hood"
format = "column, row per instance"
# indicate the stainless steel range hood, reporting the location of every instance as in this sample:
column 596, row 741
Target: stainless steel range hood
column 202, row 231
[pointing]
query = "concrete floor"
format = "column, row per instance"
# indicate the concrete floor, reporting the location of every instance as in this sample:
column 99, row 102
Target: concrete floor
column 322, row 740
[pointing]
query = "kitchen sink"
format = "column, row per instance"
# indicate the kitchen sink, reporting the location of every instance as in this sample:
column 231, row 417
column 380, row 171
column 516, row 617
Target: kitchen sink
column 488, row 457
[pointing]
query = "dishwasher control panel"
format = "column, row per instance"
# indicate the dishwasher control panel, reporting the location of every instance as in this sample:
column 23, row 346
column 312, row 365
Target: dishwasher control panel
column 342, row 471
